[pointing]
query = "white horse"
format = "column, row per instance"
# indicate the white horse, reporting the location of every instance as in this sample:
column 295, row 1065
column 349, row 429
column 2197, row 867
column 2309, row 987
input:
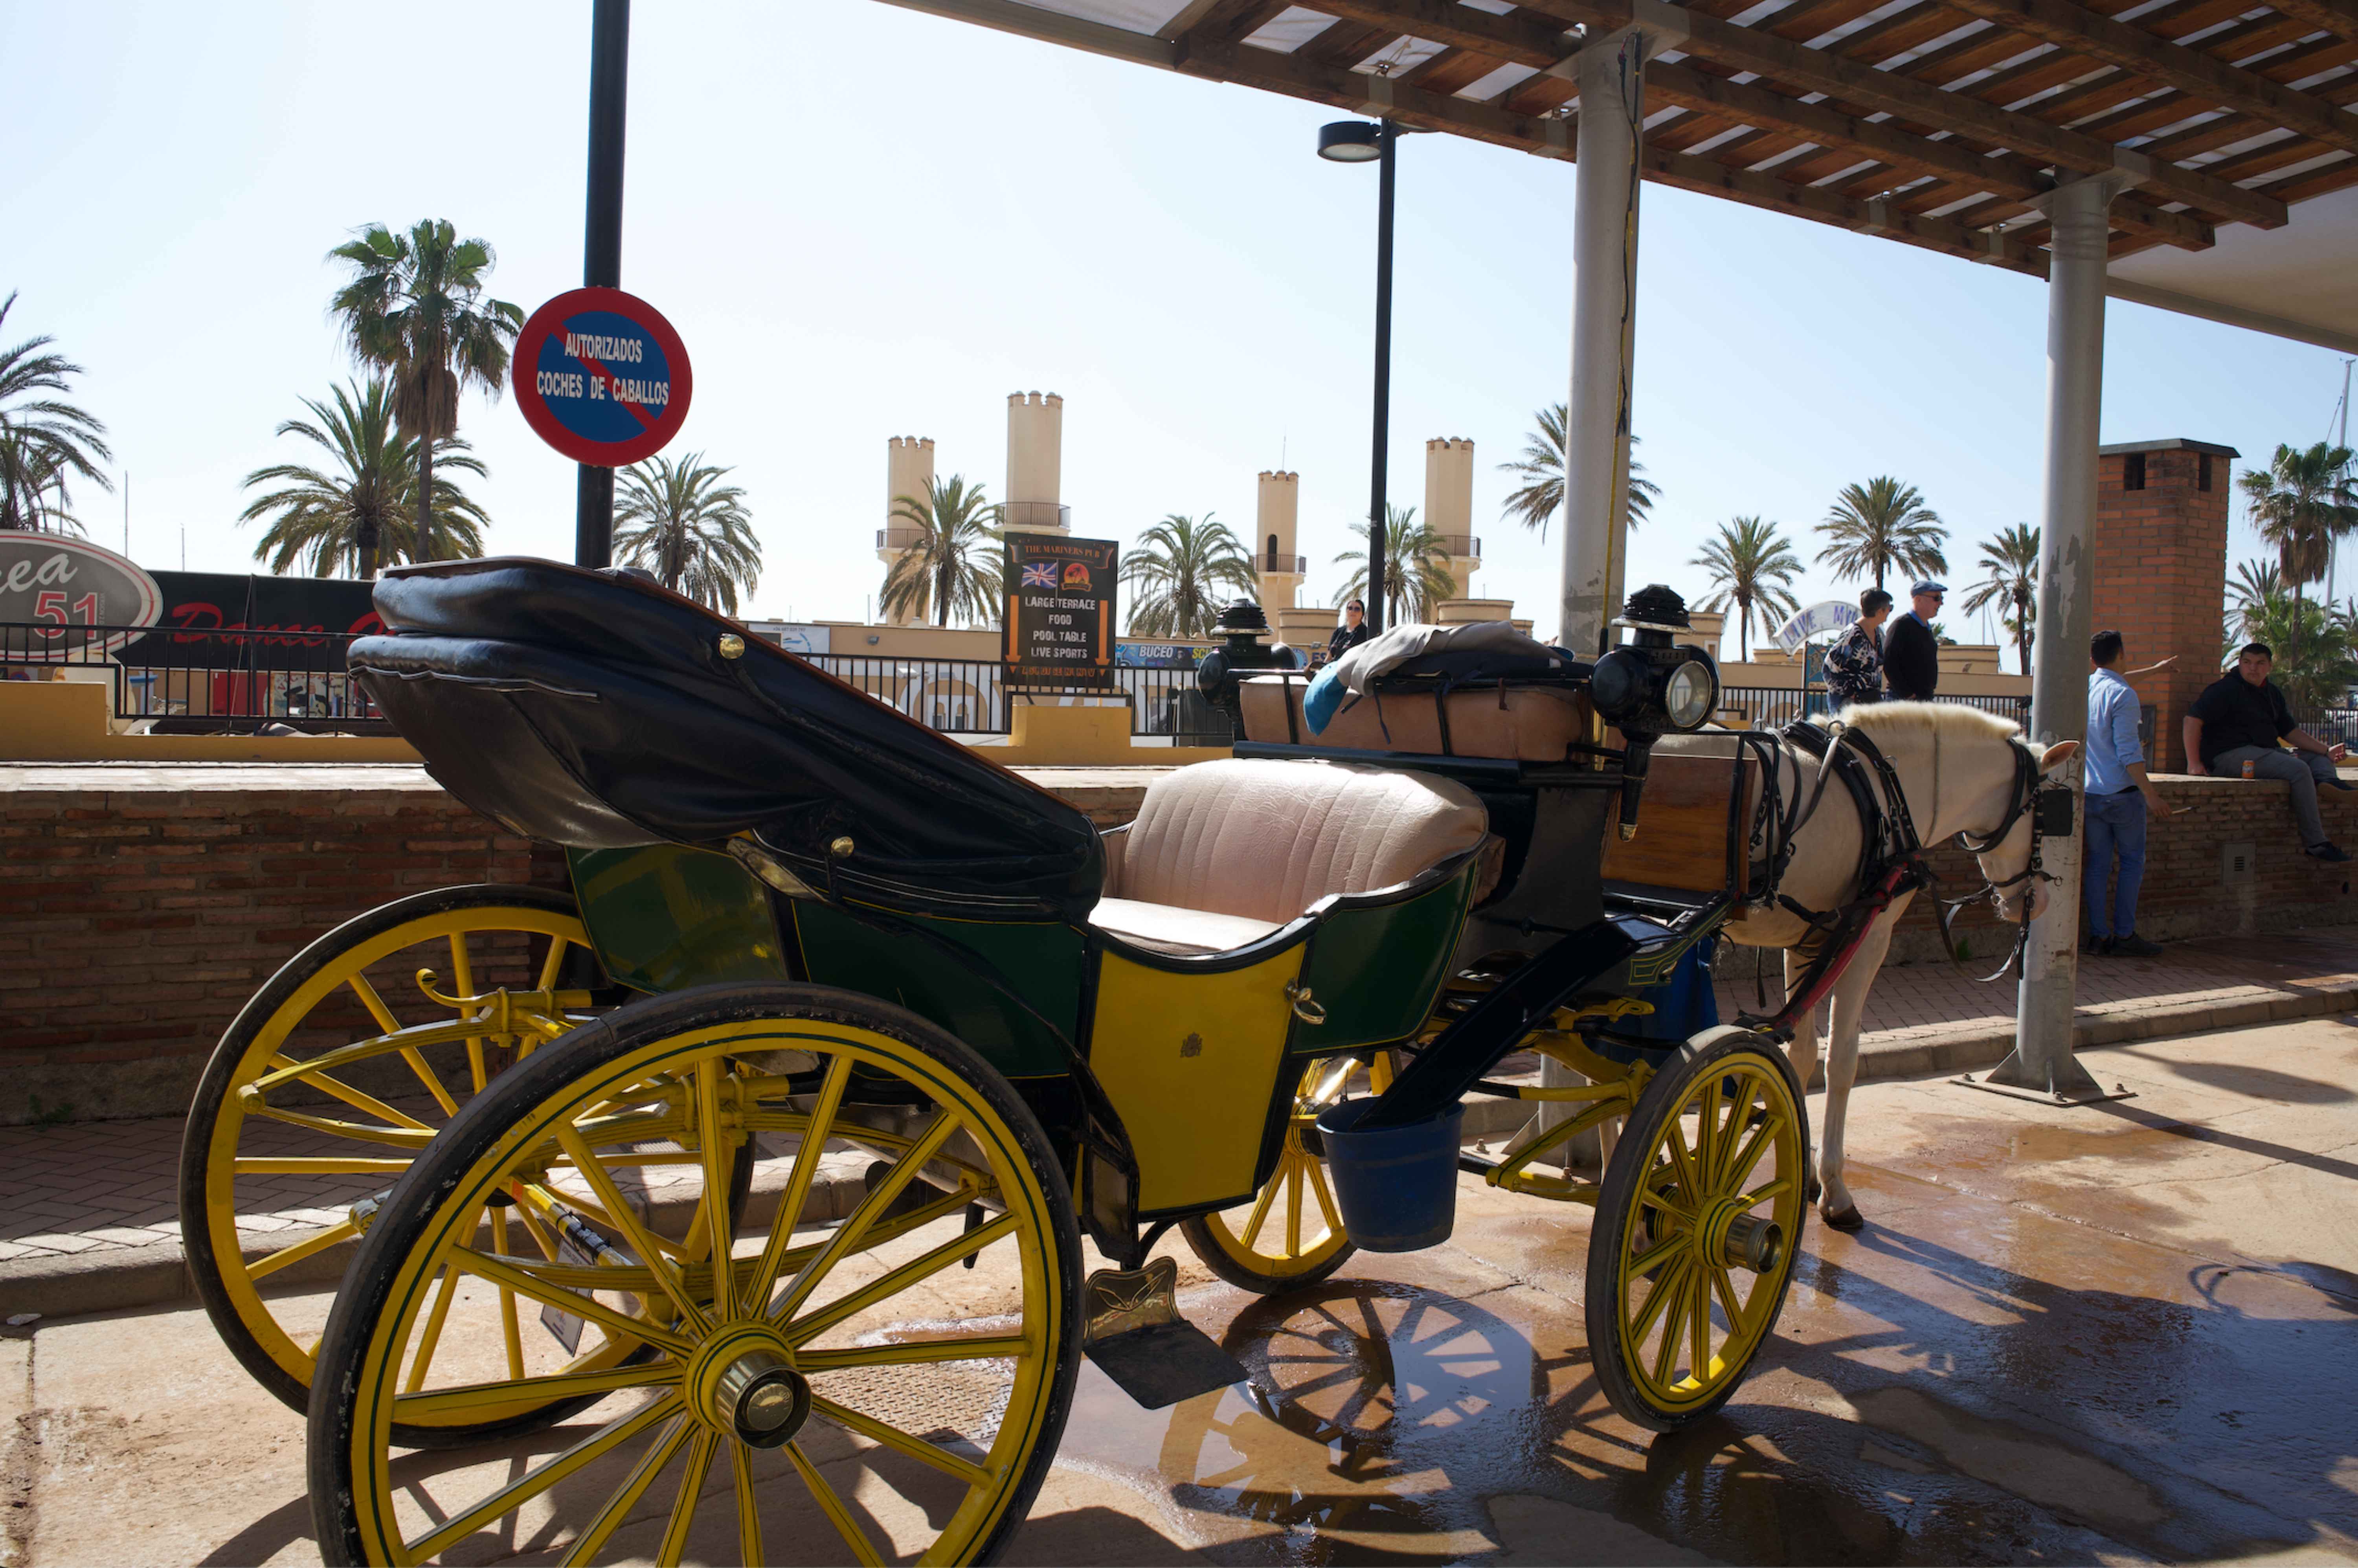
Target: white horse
column 1957, row 771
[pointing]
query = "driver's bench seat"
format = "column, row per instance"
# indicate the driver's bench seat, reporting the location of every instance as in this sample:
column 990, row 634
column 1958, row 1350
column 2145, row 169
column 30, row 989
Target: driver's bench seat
column 1224, row 854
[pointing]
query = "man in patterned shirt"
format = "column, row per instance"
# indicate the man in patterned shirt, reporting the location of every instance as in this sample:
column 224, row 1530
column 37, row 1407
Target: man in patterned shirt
column 1854, row 664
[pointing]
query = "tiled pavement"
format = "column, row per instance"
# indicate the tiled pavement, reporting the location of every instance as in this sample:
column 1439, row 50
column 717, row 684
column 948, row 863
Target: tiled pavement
column 94, row 1185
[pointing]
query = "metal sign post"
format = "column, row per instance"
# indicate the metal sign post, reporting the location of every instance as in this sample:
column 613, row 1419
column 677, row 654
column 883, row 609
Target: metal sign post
column 602, row 260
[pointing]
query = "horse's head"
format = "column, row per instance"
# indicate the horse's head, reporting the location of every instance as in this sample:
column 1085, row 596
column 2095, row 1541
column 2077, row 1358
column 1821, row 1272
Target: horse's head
column 2002, row 843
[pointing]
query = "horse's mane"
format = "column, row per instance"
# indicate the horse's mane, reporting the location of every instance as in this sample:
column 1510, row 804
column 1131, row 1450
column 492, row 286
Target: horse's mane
column 1949, row 721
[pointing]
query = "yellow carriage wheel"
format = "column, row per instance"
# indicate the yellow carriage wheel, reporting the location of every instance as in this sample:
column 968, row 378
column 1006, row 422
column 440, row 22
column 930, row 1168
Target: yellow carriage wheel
column 843, row 1391
column 1697, row 1229
column 1290, row 1235
column 277, row 1126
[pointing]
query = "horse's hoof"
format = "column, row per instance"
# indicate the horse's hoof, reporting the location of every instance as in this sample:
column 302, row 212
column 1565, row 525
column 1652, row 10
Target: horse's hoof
column 1848, row 1219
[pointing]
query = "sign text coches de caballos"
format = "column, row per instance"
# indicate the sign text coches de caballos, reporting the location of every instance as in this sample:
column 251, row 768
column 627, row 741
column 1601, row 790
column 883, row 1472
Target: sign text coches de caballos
column 601, row 376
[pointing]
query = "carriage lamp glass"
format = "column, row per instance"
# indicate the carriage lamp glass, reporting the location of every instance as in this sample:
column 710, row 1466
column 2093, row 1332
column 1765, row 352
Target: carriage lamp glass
column 1688, row 693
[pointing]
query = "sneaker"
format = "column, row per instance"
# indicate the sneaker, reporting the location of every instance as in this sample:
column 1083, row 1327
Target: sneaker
column 2331, row 854
column 2096, row 946
column 2133, row 947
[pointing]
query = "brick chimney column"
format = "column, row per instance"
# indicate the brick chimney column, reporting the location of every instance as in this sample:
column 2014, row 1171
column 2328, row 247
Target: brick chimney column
column 2160, row 545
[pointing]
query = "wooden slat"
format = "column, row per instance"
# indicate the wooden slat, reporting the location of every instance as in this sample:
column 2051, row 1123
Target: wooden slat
column 2073, row 26
column 2334, row 15
column 1682, row 826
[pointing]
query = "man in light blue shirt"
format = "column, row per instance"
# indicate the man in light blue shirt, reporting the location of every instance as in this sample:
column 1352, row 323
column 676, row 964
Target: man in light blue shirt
column 2119, row 795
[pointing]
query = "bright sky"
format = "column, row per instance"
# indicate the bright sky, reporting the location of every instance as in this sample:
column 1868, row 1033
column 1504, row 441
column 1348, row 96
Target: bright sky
column 868, row 222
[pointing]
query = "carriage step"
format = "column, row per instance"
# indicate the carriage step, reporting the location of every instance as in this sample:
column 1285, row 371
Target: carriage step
column 1133, row 1330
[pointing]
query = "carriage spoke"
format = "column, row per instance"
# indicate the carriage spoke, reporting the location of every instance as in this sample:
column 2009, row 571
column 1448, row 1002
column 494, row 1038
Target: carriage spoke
column 1673, row 1327
column 1706, row 1141
column 1659, row 1297
column 1699, row 1322
column 367, row 1104
column 900, row 1442
column 1325, row 1198
column 1755, row 1145
column 748, row 1511
column 254, row 1165
column 1655, row 1256
column 719, row 1228
column 538, row 1479
column 798, row 1182
column 1724, row 1284
column 1683, row 1169
column 524, row 1284
column 691, row 1491
column 511, row 1329
column 840, row 1517
column 422, row 1359
column 553, row 965
column 1293, row 1208
column 343, row 1230
column 914, row 1352
column 1259, row 1215
column 542, row 1390
column 618, row 1508
column 618, row 1211
column 847, row 1235
column 803, row 1329
column 1758, row 1196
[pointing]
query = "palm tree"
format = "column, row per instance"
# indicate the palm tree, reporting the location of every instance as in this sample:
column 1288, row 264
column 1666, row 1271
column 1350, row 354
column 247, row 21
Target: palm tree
column 319, row 518
column 956, row 564
column 2011, row 564
column 1416, row 568
column 1881, row 524
column 414, row 305
column 1752, row 566
column 679, row 522
column 1181, row 567
column 44, row 440
column 1542, row 468
column 2301, row 503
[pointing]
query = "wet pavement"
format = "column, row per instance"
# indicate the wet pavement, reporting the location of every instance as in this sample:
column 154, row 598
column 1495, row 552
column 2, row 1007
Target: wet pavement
column 2122, row 1332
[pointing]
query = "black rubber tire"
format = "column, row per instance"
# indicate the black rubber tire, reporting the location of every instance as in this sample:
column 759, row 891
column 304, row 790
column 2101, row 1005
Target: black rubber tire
column 481, row 1124
column 1608, row 1233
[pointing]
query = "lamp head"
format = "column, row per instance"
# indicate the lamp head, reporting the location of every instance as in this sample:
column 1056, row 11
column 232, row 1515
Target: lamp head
column 1351, row 141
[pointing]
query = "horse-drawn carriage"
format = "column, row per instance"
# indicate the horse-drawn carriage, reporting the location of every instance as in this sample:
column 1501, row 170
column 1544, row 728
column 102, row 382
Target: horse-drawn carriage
column 843, row 1004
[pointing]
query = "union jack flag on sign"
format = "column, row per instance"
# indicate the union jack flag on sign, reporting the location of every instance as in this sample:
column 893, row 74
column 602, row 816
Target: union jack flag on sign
column 1040, row 574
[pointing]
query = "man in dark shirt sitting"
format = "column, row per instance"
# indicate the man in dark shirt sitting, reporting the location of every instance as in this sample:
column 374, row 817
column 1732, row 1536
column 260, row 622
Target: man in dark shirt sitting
column 1911, row 654
column 2239, row 718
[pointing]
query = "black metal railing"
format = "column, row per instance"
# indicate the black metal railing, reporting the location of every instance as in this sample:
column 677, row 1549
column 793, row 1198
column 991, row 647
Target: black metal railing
column 204, row 681
column 973, row 696
column 1767, row 706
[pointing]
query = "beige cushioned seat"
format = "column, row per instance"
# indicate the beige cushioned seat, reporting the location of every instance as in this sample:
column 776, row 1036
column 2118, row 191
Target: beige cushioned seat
column 1224, row 853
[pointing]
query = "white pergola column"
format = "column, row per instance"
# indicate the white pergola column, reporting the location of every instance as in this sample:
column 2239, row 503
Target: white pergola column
column 2042, row 1062
column 1611, row 72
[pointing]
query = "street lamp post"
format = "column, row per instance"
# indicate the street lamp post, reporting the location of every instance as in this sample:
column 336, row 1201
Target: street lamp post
column 1362, row 141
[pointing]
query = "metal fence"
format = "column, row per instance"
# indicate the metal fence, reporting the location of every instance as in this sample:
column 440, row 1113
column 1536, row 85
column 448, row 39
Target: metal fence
column 1768, row 705
column 202, row 681
column 973, row 696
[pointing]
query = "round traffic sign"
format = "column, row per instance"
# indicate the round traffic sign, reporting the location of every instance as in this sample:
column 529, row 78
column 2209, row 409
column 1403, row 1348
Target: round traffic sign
column 601, row 376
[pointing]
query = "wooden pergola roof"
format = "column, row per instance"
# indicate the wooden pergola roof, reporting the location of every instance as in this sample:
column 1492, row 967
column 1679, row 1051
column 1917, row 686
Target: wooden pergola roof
column 1933, row 123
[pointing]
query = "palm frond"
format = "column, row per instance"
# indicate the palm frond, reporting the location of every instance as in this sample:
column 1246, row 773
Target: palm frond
column 1539, row 498
column 1880, row 526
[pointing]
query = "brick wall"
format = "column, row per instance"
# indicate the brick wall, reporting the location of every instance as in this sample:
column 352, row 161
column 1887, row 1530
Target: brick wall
column 2186, row 892
column 2161, row 570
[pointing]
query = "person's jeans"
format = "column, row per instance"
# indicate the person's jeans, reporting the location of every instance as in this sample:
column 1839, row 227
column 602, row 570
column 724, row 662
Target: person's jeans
column 2302, row 770
column 2115, row 828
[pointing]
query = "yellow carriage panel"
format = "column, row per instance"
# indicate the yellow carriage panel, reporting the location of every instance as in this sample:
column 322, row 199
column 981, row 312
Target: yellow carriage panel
column 1190, row 1059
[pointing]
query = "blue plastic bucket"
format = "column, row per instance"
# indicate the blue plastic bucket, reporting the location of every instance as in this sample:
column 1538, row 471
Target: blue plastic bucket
column 1397, row 1186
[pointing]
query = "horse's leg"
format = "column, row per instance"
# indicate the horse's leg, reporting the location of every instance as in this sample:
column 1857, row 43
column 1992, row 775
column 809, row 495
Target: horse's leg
column 1842, row 1063
column 1804, row 1051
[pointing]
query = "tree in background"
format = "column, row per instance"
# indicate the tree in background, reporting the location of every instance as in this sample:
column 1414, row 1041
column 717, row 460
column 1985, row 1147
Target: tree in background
column 1752, row 567
column 680, row 523
column 955, row 564
column 1185, row 571
column 318, row 517
column 414, row 306
column 2316, row 645
column 2010, row 579
column 45, row 440
column 1416, row 569
column 1881, row 525
column 1541, row 467
column 2301, row 503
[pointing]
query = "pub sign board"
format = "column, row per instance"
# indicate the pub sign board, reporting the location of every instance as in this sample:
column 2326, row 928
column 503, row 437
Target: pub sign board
column 1060, row 610
column 274, row 622
column 601, row 377
column 66, row 598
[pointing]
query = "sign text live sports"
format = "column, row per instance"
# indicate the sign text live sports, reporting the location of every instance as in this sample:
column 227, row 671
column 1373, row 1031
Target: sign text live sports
column 1060, row 609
